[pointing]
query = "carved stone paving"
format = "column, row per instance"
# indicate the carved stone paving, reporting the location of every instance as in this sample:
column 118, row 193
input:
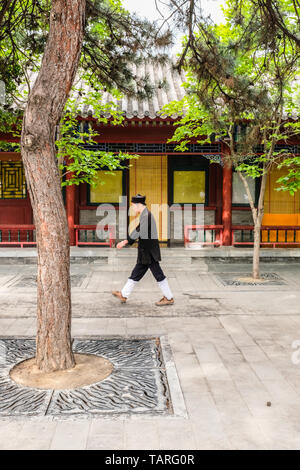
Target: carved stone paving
column 137, row 385
column 237, row 279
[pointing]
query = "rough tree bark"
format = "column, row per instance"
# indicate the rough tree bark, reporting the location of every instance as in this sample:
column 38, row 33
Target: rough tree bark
column 43, row 112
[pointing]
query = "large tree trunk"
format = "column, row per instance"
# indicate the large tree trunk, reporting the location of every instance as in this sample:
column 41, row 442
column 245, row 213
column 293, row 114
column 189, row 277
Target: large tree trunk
column 44, row 110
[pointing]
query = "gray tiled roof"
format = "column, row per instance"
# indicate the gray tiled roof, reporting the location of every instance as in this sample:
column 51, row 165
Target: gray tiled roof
column 148, row 108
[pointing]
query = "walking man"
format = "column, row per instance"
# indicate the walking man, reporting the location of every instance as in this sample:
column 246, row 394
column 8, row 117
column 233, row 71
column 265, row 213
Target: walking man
column 148, row 254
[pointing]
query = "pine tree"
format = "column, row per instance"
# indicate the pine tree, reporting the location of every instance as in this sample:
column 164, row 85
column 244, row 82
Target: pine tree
column 97, row 40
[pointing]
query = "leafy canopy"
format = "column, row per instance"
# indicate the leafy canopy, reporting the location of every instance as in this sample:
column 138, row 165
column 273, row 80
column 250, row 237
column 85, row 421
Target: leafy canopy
column 239, row 91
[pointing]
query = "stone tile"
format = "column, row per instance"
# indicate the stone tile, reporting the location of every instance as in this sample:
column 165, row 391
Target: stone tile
column 117, row 326
column 141, row 435
column 176, row 435
column 20, row 327
column 5, row 324
column 88, row 326
column 135, row 325
column 71, row 435
column 10, row 434
column 106, row 435
column 37, row 435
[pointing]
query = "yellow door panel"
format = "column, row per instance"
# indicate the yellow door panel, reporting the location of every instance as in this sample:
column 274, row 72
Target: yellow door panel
column 148, row 176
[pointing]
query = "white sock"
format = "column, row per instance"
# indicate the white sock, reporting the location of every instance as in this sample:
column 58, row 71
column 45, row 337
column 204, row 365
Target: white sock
column 128, row 288
column 165, row 288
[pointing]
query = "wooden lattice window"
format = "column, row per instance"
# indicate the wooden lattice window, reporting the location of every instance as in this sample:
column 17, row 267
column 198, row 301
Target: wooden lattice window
column 12, row 180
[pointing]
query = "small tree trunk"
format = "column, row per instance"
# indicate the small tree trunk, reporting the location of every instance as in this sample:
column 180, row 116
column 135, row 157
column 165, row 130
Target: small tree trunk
column 256, row 250
column 257, row 227
column 257, row 215
column 44, row 110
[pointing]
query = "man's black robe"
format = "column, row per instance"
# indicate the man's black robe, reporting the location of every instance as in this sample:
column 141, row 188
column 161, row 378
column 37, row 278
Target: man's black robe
column 146, row 234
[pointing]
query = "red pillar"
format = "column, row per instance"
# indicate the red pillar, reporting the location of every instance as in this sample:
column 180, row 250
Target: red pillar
column 70, row 209
column 227, row 203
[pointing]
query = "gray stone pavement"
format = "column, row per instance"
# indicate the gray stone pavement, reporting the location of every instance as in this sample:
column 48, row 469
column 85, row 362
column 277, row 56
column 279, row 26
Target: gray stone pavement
column 232, row 348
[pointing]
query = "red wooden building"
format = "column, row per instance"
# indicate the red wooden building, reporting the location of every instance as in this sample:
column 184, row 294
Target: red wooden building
column 166, row 177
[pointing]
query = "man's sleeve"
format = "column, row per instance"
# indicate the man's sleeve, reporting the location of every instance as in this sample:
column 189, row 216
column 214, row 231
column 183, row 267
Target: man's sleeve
column 135, row 234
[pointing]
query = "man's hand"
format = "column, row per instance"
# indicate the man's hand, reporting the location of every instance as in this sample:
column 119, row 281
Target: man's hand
column 121, row 245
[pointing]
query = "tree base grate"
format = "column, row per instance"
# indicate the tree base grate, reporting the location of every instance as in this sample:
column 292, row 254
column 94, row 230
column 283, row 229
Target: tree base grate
column 237, row 279
column 29, row 280
column 138, row 384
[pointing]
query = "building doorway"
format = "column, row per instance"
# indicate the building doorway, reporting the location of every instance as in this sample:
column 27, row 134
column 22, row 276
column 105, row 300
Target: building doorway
column 148, row 175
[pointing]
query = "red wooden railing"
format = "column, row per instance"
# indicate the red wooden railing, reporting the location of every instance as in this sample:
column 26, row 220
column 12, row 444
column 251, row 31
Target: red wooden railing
column 271, row 235
column 17, row 235
column 274, row 236
column 216, row 234
column 24, row 235
column 87, row 235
